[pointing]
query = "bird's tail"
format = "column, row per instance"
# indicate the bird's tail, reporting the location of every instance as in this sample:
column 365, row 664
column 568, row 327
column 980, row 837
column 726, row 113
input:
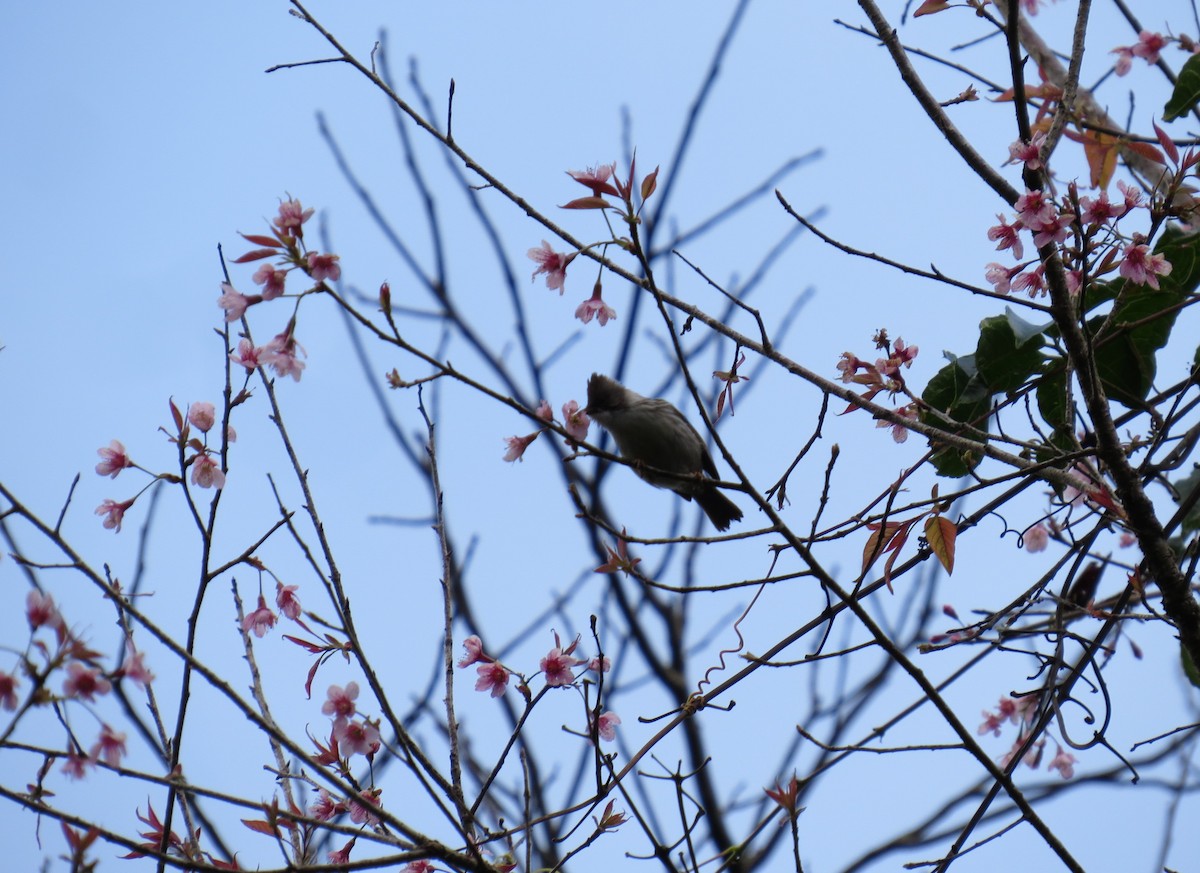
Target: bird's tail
column 721, row 511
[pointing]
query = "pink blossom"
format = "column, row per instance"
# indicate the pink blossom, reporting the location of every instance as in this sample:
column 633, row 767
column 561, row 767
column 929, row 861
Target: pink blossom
column 552, row 263
column 606, row 725
column 287, row 601
column 1064, row 763
column 339, row 701
column 76, row 765
column 1035, row 210
column 112, row 460
column 282, row 353
column 1000, row 276
column 8, row 690
column 596, row 178
column 271, row 279
column 1124, row 59
column 360, row 807
column 903, row 353
column 235, row 303
column 595, row 306
column 357, row 737
column 324, row 266
column 246, row 355
column 848, row 365
column 325, row 807
column 899, row 431
column 575, row 421
column 474, row 655
column 1148, row 46
column 1008, row 236
column 1100, row 209
column 291, row 216
column 84, row 682
column 202, row 416
column 597, row 665
column 134, row 668
column 1142, row 267
column 1029, row 153
column 113, row 513
column 992, row 723
column 543, row 411
column 1132, row 195
column 517, row 446
column 260, row 620
column 557, row 666
column 1033, row 281
column 40, row 610
column 206, row 472
column 109, row 747
column 1036, row 538
column 342, row 855
column 421, row 866
column 493, row 677
column 1054, row 231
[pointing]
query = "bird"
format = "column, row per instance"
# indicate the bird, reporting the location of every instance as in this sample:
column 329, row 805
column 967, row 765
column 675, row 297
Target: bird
column 664, row 448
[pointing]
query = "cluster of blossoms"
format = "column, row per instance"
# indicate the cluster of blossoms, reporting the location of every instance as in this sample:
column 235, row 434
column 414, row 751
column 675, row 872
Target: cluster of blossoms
column 575, row 422
column 1022, row 712
column 205, row 466
column 1148, row 47
column 557, row 667
column 883, row 375
column 286, row 245
column 602, row 182
column 84, row 679
column 1093, row 222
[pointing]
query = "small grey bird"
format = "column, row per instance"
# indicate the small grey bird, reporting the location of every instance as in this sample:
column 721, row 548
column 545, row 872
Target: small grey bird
column 655, row 436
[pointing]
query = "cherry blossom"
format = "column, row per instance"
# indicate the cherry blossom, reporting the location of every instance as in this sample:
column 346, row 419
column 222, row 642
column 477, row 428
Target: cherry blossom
column 260, row 620
column 271, row 279
column 518, row 444
column 109, row 747
column 202, row 416
column 339, row 701
column 1142, row 267
column 84, row 682
column 552, row 263
column 206, row 472
column 575, row 421
column 113, row 513
column 357, row 737
column 8, row 690
column 1036, row 538
column 324, row 266
column 291, row 216
column 113, row 460
column 287, row 601
column 493, row 677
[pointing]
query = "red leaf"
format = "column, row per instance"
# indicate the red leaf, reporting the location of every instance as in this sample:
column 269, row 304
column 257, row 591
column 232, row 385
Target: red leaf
column 260, row 240
column 1165, row 142
column 255, row 255
column 649, row 184
column 587, row 203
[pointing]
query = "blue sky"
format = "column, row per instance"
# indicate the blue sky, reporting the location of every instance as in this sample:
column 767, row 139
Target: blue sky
column 141, row 137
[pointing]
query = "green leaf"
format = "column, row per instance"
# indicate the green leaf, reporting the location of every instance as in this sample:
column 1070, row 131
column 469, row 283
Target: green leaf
column 1184, row 488
column 958, row 391
column 1187, row 90
column 1189, row 666
column 1005, row 360
column 1141, row 320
